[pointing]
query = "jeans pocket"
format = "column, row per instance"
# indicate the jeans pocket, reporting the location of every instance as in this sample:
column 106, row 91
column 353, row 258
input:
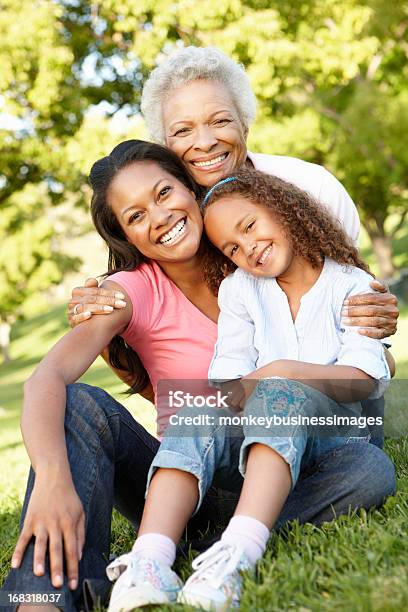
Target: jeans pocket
column 352, row 439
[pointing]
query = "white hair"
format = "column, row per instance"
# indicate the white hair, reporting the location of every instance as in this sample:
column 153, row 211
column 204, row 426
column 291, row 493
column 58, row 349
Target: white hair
column 190, row 64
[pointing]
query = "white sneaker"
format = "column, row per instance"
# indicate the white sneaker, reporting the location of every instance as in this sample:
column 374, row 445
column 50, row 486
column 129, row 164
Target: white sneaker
column 217, row 582
column 141, row 581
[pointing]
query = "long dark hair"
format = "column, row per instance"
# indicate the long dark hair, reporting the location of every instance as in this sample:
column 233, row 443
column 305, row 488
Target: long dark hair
column 124, row 256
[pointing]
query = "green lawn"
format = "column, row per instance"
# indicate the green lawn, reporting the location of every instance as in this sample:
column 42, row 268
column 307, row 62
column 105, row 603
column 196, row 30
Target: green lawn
column 354, row 563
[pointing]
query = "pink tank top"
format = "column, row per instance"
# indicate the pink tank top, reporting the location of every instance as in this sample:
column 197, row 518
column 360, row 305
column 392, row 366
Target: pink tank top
column 172, row 337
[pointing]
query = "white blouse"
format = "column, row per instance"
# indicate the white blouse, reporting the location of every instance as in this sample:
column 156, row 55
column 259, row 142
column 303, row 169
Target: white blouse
column 255, row 325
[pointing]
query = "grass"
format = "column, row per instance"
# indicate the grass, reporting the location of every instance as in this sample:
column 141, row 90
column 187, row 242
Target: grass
column 357, row 563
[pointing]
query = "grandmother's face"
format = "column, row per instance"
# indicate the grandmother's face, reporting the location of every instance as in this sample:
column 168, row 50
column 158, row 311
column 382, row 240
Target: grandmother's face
column 203, row 127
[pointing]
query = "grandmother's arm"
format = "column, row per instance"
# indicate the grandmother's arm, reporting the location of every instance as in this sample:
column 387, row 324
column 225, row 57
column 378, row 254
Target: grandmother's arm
column 376, row 314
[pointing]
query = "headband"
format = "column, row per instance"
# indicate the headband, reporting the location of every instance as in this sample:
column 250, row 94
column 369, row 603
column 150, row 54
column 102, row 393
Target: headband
column 214, row 187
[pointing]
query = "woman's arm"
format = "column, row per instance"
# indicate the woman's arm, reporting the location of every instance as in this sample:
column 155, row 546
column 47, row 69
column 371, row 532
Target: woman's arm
column 44, row 391
column 55, row 513
column 375, row 313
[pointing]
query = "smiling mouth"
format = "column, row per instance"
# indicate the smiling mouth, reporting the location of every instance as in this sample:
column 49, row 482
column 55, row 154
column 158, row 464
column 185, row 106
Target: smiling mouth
column 177, row 231
column 208, row 163
column 265, row 255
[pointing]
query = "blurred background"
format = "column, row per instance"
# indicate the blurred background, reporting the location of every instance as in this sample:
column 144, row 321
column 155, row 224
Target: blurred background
column 331, row 78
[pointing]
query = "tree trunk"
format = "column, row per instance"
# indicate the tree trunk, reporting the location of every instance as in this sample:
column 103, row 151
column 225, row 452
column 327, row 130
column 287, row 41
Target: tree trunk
column 382, row 247
column 5, row 329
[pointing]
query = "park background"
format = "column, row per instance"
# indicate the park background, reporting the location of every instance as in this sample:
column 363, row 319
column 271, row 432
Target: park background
column 331, row 78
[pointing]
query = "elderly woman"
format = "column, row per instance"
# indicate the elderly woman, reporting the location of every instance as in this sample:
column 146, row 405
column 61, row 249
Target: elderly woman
column 204, row 105
column 200, row 104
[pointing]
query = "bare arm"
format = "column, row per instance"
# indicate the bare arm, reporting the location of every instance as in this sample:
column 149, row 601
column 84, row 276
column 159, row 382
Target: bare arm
column 341, row 383
column 55, row 514
column 44, row 392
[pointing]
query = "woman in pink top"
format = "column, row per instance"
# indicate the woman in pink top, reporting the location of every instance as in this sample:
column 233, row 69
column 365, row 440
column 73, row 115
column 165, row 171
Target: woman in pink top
column 86, row 450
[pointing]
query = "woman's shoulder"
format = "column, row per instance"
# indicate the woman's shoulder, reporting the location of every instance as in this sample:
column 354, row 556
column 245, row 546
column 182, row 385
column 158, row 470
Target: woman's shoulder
column 291, row 169
column 145, row 287
column 147, row 276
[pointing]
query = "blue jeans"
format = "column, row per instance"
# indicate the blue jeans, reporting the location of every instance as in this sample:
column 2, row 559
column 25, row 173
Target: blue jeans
column 207, row 444
column 110, row 456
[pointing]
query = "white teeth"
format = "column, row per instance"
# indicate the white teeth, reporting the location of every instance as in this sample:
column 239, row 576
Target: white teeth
column 210, row 162
column 265, row 254
column 177, row 231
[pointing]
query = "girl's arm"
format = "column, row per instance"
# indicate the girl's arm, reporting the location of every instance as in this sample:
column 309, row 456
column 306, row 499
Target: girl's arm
column 342, row 383
column 55, row 513
column 235, row 353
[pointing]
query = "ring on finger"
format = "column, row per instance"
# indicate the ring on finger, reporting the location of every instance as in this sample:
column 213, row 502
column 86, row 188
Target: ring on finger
column 75, row 311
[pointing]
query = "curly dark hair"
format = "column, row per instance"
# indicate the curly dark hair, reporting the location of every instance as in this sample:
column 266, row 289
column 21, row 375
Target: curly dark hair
column 312, row 231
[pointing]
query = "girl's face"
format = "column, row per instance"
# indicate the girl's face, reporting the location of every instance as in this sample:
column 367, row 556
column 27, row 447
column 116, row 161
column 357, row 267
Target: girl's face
column 204, row 129
column 248, row 235
column 158, row 214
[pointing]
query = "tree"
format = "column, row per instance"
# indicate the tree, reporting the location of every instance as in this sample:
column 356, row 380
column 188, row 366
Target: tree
column 330, row 77
column 371, row 157
column 35, row 66
column 48, row 141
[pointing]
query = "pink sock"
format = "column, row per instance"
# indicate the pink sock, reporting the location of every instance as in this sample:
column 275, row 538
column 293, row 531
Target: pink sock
column 156, row 546
column 249, row 533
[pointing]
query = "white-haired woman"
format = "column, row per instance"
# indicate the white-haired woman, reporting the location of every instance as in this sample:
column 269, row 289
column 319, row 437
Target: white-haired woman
column 200, row 105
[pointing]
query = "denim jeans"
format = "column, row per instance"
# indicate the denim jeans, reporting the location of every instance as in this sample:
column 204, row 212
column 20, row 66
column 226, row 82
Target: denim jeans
column 110, row 456
column 207, row 444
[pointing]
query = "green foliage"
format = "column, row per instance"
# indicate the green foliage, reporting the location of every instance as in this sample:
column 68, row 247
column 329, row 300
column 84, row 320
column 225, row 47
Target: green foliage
column 47, row 150
column 29, row 255
column 330, row 77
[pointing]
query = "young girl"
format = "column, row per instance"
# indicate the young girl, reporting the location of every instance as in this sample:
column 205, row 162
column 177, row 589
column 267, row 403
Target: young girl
column 280, row 321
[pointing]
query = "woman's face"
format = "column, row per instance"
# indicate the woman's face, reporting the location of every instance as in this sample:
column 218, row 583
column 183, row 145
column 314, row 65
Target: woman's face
column 158, row 214
column 203, row 127
column 254, row 241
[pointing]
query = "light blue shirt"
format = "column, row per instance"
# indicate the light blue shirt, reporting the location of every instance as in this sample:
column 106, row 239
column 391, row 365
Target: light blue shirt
column 255, row 326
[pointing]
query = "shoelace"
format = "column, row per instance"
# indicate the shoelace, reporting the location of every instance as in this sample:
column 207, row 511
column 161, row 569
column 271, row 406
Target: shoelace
column 216, row 564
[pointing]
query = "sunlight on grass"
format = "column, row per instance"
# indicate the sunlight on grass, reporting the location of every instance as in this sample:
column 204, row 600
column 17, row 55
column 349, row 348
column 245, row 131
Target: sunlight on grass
column 354, row 563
